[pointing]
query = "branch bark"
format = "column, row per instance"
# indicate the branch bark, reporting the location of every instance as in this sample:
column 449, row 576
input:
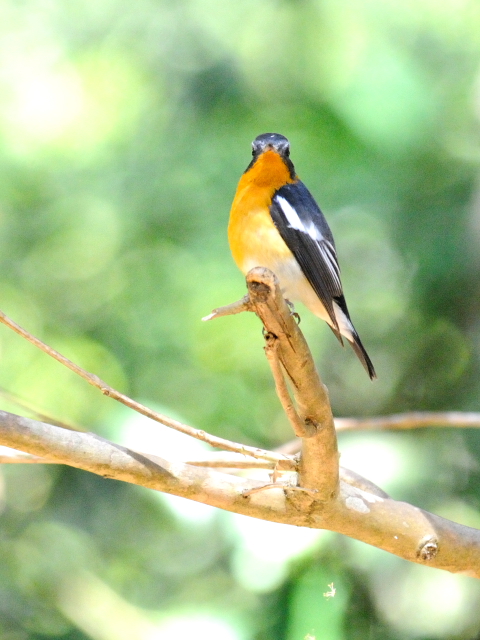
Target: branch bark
column 353, row 506
column 288, row 355
column 397, row 527
column 319, row 459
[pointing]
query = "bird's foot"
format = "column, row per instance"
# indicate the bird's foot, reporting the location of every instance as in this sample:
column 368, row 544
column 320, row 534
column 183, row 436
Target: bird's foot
column 293, row 313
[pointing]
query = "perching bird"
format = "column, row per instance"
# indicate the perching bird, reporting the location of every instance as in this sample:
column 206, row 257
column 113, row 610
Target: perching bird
column 276, row 223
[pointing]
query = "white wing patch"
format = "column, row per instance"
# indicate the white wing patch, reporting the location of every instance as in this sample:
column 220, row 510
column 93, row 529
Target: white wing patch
column 325, row 247
column 294, row 221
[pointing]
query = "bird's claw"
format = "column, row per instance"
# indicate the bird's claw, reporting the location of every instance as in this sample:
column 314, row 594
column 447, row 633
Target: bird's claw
column 293, row 313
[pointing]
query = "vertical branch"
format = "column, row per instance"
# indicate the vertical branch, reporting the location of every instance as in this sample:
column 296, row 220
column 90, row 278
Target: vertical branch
column 319, row 468
column 301, row 429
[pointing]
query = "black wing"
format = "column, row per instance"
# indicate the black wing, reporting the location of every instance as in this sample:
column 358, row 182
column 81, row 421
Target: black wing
column 306, row 233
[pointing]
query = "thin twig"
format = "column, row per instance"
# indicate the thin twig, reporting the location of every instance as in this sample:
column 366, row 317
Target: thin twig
column 230, row 309
column 233, row 464
column 300, row 429
column 228, row 460
column 12, row 456
column 24, row 460
column 411, row 420
column 398, row 421
column 36, row 413
column 107, row 390
column 279, row 485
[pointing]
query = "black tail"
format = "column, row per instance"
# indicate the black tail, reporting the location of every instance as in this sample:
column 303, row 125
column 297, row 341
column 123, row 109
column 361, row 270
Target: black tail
column 355, row 341
column 362, row 355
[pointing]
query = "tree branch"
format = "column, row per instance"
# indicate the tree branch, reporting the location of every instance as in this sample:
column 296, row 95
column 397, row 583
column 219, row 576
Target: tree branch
column 12, row 456
column 230, row 309
column 299, row 427
column 319, row 460
column 354, row 506
column 107, row 390
column 288, row 354
column 397, row 527
column 411, row 420
column 398, row 421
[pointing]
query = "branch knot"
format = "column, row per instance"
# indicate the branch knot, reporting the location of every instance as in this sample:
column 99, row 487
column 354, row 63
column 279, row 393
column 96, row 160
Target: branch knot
column 428, row 548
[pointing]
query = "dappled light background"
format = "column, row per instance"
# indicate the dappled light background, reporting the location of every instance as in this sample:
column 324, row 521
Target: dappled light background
column 124, row 128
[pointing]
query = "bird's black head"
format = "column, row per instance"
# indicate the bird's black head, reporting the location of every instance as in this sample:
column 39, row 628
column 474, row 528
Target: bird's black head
column 272, row 142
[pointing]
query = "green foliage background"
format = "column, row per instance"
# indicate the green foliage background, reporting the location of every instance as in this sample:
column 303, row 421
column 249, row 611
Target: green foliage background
column 124, row 128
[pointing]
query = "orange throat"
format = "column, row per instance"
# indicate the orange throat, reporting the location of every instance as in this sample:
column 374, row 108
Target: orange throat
column 253, row 238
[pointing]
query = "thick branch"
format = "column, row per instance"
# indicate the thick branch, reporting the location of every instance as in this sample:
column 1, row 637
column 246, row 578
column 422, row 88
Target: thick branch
column 397, row 527
column 224, row 460
column 319, row 461
column 359, row 509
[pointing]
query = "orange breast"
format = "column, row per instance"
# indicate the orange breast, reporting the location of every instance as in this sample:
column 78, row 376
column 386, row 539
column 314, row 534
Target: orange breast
column 254, row 239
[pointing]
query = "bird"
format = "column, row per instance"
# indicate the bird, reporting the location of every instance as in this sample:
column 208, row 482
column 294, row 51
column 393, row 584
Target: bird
column 276, row 223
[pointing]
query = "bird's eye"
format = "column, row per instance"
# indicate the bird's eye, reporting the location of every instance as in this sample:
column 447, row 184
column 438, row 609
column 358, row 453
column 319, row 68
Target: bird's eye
column 287, row 152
